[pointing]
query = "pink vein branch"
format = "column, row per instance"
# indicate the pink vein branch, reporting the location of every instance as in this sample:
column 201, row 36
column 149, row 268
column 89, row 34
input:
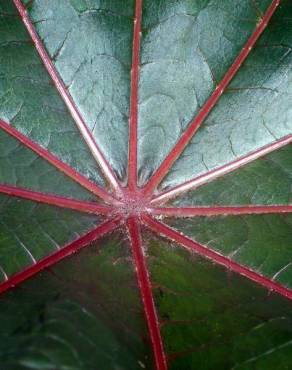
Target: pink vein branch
column 133, row 124
column 220, row 171
column 94, row 188
column 208, row 106
column 190, row 244
column 63, row 91
column 217, row 211
column 66, row 251
column 146, row 293
column 55, row 200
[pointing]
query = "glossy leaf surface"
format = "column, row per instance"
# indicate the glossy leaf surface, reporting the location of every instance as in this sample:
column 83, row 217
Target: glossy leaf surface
column 265, row 181
column 96, row 72
column 145, row 184
column 34, row 173
column 29, row 101
column 181, row 69
column 253, row 111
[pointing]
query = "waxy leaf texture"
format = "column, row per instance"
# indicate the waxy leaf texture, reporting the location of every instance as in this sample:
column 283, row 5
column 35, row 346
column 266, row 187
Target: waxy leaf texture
column 145, row 184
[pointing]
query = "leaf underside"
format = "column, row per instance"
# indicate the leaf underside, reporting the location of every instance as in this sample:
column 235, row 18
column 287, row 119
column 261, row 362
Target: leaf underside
column 145, row 184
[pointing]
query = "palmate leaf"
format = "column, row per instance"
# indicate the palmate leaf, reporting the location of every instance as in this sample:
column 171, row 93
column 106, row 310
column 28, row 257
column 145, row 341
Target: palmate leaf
column 145, row 184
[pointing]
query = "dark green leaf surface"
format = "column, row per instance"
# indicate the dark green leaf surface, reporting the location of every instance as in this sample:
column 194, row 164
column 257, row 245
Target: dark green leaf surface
column 30, row 103
column 84, row 314
column 264, row 181
column 90, row 43
column 213, row 319
column 254, row 111
column 261, row 242
column 30, row 231
column 21, row 167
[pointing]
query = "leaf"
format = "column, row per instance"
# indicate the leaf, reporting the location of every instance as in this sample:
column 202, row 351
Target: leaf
column 206, row 325
column 30, row 103
column 30, row 231
column 74, row 317
column 181, row 69
column 103, row 102
column 33, row 172
column 145, row 184
column 244, row 119
column 265, row 181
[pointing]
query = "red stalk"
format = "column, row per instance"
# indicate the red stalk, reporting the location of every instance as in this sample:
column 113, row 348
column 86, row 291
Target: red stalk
column 133, row 124
column 146, row 293
column 190, row 244
column 216, row 211
column 56, row 200
column 66, row 251
column 220, row 171
column 65, row 95
column 210, row 103
column 49, row 157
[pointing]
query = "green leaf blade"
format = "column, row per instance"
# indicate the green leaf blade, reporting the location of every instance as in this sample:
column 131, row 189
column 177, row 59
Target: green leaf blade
column 215, row 319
